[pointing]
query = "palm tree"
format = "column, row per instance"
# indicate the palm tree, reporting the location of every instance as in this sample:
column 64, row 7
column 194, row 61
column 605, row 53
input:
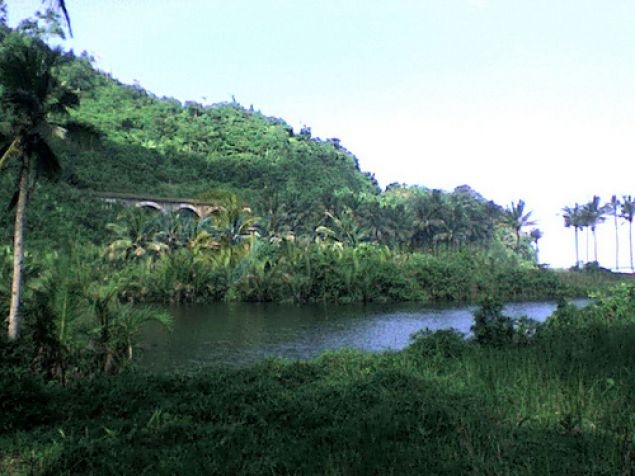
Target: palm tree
column 628, row 212
column 371, row 216
column 61, row 6
column 398, row 224
column 536, row 234
column 613, row 206
column 57, row 6
column 594, row 214
column 342, row 228
column 573, row 217
column 517, row 219
column 33, row 100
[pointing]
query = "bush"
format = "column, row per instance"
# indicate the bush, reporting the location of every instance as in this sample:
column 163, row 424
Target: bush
column 525, row 329
column 490, row 326
column 440, row 344
column 450, row 278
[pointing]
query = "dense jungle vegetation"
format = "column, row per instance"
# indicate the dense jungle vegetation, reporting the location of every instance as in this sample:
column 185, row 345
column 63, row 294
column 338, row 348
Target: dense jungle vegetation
column 294, row 220
column 298, row 220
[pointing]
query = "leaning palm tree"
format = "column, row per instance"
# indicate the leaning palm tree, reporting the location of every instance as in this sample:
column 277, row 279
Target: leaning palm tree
column 628, row 212
column 33, row 102
column 573, row 217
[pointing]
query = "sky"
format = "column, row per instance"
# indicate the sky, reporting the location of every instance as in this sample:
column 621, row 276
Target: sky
column 522, row 99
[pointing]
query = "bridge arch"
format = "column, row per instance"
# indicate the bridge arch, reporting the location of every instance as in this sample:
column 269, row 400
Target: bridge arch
column 149, row 204
column 186, row 207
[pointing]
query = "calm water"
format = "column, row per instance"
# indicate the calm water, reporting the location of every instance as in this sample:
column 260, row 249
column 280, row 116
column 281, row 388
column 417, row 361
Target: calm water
column 241, row 333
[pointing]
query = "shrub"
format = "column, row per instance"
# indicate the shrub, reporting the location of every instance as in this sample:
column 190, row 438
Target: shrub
column 525, row 329
column 440, row 344
column 490, row 326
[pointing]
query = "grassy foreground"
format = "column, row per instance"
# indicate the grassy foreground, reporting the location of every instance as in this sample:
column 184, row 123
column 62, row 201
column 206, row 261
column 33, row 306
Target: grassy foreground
column 560, row 402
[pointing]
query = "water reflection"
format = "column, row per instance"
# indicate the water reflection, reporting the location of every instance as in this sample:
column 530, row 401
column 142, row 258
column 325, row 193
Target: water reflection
column 241, row 333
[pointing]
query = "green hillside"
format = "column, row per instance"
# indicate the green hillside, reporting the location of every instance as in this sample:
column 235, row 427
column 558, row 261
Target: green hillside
column 157, row 145
column 296, row 221
column 160, row 147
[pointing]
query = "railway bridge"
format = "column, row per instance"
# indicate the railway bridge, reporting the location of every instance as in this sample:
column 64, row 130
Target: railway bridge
column 161, row 204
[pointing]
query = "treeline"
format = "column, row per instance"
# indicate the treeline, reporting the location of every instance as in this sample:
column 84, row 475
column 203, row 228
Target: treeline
column 593, row 213
column 292, row 182
column 288, row 203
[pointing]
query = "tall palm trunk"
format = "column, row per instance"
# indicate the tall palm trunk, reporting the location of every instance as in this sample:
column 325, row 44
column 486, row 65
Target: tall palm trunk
column 577, row 248
column 18, row 249
column 595, row 244
column 630, row 241
column 617, row 241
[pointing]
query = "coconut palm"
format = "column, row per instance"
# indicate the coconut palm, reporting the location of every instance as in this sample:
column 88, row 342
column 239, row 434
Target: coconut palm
column 342, row 227
column 33, row 101
column 573, row 217
column 398, row 224
column 61, row 6
column 371, row 216
column 57, row 7
column 627, row 211
column 517, row 219
column 594, row 215
column 613, row 207
column 536, row 234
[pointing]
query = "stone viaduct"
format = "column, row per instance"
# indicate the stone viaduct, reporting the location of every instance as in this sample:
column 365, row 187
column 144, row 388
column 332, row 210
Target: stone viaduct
column 164, row 205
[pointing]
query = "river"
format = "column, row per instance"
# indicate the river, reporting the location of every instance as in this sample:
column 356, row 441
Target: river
column 244, row 333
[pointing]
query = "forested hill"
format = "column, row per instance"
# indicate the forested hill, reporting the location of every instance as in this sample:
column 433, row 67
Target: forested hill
column 290, row 180
column 160, row 146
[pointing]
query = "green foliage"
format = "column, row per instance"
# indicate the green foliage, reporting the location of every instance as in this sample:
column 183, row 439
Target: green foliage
column 198, row 260
column 491, row 327
column 439, row 345
column 614, row 304
column 450, row 277
column 115, row 327
column 74, row 322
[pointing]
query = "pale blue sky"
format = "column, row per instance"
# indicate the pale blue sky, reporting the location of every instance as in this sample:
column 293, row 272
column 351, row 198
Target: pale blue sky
column 528, row 99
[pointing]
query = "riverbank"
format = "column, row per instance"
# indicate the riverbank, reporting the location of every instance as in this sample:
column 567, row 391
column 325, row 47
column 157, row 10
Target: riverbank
column 557, row 403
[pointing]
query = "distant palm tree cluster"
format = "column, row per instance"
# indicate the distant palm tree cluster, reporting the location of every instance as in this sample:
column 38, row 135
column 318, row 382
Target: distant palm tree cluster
column 589, row 215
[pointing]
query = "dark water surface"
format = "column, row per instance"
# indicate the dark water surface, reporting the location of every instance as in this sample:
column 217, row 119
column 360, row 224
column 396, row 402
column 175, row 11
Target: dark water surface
column 243, row 333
